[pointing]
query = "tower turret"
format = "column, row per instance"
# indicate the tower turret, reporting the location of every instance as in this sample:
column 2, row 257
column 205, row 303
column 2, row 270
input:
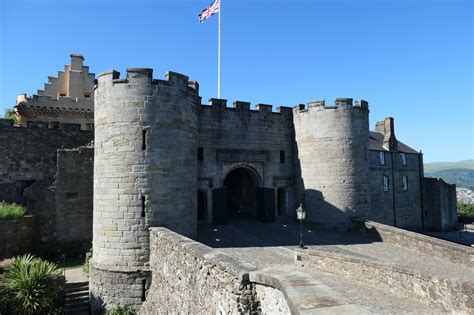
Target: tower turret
column 144, row 175
column 332, row 145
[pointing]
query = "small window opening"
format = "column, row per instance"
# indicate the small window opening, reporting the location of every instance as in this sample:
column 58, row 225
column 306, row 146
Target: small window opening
column 54, row 125
column 382, row 158
column 282, row 156
column 143, row 289
column 62, row 94
column 144, row 140
column 405, row 183
column 87, row 95
column 143, row 206
column 200, row 154
column 385, row 183
column 403, row 159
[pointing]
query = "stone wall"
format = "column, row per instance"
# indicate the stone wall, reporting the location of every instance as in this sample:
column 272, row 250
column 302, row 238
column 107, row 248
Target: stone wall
column 18, row 236
column 28, row 168
column 453, row 295
column 237, row 136
column 449, row 251
column 440, row 207
column 73, row 202
column 397, row 207
column 191, row 278
column 29, row 155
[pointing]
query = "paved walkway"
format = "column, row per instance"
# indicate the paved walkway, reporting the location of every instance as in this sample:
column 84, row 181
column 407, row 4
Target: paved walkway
column 271, row 246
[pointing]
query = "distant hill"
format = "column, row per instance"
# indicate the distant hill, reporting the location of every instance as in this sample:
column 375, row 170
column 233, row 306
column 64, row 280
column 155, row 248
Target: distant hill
column 460, row 173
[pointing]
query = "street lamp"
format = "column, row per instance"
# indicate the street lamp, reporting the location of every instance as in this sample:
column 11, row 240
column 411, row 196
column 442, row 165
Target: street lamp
column 301, row 214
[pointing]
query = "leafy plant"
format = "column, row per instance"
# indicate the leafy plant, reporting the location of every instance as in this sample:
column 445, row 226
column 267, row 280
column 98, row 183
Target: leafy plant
column 120, row 310
column 465, row 210
column 30, row 286
column 10, row 114
column 11, row 211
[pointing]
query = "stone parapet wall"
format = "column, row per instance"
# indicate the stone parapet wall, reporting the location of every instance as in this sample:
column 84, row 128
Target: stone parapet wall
column 455, row 253
column 191, row 278
column 18, row 236
column 455, row 295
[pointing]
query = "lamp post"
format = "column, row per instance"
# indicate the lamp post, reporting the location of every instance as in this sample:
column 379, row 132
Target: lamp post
column 301, row 214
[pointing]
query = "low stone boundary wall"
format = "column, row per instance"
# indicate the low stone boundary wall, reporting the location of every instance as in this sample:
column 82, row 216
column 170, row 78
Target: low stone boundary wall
column 449, row 251
column 453, row 294
column 18, row 236
column 191, row 278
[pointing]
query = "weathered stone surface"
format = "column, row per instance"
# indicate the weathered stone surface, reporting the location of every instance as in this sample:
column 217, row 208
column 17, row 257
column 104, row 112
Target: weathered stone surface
column 18, row 236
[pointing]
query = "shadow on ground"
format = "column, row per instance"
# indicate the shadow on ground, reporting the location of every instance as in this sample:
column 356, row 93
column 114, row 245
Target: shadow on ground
column 248, row 232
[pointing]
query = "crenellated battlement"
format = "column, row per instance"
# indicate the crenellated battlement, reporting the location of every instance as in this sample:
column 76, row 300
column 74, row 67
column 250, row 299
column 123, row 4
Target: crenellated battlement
column 241, row 106
column 145, row 76
column 339, row 103
column 9, row 124
column 49, row 103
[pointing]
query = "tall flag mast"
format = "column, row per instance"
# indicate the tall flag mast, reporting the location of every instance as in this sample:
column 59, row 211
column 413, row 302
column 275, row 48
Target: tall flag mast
column 214, row 8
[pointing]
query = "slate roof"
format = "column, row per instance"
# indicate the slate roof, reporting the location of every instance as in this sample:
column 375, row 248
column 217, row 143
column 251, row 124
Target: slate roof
column 376, row 143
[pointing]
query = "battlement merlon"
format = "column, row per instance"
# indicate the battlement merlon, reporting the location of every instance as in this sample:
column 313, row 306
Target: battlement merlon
column 340, row 103
column 241, row 106
column 145, row 76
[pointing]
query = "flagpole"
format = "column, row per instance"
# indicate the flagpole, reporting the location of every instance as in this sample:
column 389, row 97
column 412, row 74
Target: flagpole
column 219, row 53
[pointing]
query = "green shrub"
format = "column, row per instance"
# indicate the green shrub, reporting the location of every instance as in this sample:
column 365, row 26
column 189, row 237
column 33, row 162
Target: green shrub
column 30, row 286
column 465, row 210
column 120, row 310
column 87, row 262
column 11, row 211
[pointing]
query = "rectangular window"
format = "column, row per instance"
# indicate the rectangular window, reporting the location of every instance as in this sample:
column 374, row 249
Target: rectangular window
column 382, row 158
column 62, row 94
column 385, row 183
column 200, row 154
column 405, row 183
column 403, row 159
column 282, row 156
column 87, row 95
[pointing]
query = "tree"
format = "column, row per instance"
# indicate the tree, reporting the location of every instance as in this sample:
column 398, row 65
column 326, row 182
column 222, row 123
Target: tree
column 10, row 114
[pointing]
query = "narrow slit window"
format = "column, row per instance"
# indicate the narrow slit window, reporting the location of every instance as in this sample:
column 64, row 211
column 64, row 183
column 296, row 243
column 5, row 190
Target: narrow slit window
column 385, row 183
column 382, row 158
column 282, row 156
column 405, row 183
column 144, row 140
column 200, row 154
column 143, row 289
column 143, row 206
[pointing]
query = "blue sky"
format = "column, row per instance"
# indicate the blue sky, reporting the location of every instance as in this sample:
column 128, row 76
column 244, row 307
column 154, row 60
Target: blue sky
column 412, row 60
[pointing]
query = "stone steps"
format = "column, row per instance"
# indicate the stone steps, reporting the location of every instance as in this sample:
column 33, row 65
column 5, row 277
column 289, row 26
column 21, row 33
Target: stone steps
column 77, row 298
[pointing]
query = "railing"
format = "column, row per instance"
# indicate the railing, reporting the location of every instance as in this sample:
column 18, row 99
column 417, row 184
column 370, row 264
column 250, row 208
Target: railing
column 461, row 227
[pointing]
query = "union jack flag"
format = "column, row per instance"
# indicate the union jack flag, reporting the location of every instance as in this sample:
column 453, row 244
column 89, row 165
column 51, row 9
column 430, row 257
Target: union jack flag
column 209, row 11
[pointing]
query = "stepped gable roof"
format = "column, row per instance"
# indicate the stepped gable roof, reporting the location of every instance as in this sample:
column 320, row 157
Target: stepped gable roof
column 376, row 143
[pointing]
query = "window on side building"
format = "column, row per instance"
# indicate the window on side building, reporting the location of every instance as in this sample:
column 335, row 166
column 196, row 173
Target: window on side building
column 382, row 158
column 405, row 183
column 403, row 159
column 385, row 183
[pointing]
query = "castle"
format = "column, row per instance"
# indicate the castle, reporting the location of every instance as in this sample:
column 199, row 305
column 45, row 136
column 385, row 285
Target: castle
column 162, row 158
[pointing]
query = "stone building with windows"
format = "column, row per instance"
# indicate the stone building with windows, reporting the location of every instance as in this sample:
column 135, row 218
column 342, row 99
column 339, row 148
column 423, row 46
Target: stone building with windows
column 67, row 98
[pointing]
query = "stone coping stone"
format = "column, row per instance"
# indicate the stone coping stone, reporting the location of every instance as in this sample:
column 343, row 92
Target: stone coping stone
column 303, row 293
column 223, row 261
column 460, row 254
column 121, row 269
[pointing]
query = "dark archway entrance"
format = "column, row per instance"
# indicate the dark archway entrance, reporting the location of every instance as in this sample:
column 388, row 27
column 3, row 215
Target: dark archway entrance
column 241, row 185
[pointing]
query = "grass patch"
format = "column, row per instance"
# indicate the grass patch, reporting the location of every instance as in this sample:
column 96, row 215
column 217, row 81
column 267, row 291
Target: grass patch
column 70, row 264
column 11, row 211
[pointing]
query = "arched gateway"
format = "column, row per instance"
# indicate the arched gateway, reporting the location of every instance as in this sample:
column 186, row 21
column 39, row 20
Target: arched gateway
column 242, row 196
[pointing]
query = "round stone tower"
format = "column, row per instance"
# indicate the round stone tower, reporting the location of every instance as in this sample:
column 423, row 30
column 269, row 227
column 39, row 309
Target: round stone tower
column 144, row 175
column 332, row 148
